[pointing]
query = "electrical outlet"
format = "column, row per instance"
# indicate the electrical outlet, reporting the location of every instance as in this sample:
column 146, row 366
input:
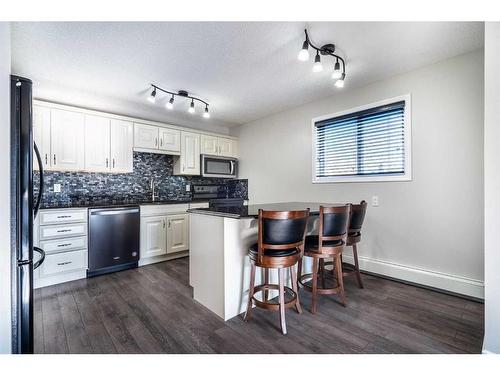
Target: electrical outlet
column 188, row 187
column 57, row 188
column 375, row 201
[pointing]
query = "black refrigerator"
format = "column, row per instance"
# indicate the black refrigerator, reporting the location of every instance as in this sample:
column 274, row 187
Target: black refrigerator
column 24, row 208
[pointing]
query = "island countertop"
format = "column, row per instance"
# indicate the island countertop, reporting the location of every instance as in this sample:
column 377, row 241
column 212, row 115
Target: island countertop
column 239, row 212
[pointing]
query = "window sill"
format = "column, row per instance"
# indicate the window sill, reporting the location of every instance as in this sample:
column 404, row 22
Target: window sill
column 343, row 179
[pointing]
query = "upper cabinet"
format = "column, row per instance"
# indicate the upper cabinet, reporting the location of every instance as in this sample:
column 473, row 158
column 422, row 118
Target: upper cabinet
column 188, row 163
column 156, row 139
column 67, row 132
column 75, row 139
column 97, row 143
column 41, row 135
column 170, row 140
column 145, row 136
column 122, row 141
column 219, row 146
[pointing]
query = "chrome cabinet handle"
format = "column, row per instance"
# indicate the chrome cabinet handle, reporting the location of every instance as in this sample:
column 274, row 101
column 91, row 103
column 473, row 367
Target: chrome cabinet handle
column 163, row 223
column 161, row 142
column 116, row 258
column 54, row 159
column 156, row 141
column 63, row 263
column 64, row 245
column 63, row 230
column 169, row 223
column 46, row 159
column 63, row 216
column 232, row 167
column 113, row 162
column 107, row 162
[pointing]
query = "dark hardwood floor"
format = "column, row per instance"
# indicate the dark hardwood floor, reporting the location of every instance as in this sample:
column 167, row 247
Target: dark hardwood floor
column 150, row 310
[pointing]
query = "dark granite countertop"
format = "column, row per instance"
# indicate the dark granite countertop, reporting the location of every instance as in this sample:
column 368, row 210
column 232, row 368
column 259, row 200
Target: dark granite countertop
column 95, row 203
column 237, row 212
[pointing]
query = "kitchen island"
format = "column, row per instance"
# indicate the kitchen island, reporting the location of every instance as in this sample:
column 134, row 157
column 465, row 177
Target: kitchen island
column 219, row 267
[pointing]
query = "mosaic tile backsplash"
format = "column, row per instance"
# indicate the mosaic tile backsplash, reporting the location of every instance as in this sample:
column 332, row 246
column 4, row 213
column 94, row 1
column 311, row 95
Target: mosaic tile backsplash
column 101, row 186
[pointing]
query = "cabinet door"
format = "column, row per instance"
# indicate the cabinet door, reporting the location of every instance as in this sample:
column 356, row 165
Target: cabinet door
column 122, row 143
column 190, row 153
column 170, row 140
column 227, row 147
column 177, row 233
column 67, row 132
column 97, row 144
column 145, row 136
column 153, row 236
column 41, row 135
column 209, row 145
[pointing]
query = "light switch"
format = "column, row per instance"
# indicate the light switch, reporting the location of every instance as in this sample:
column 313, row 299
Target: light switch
column 375, row 201
column 57, row 188
column 188, row 187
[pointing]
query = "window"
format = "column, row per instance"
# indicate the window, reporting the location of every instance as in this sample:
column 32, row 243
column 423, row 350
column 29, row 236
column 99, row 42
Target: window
column 369, row 143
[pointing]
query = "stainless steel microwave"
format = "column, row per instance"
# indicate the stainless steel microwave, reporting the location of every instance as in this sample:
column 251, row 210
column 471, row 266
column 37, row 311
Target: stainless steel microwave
column 218, row 166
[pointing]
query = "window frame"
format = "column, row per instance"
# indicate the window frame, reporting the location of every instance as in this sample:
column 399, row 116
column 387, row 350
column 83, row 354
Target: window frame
column 407, row 176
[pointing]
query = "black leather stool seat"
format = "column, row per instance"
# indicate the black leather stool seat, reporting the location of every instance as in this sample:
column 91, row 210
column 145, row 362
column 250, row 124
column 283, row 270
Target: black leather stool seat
column 312, row 241
column 274, row 253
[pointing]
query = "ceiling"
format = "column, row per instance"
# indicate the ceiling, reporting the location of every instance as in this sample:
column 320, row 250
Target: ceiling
column 245, row 70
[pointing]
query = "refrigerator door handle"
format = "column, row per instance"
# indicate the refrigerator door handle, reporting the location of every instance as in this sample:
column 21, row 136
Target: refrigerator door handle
column 39, row 262
column 40, row 186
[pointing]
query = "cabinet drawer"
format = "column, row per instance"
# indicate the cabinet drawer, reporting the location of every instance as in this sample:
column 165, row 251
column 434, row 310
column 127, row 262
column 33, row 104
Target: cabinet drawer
column 63, row 262
column 62, row 217
column 56, row 231
column 64, row 244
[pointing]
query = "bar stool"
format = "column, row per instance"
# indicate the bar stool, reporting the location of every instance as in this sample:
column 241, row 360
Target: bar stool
column 329, row 243
column 358, row 212
column 280, row 245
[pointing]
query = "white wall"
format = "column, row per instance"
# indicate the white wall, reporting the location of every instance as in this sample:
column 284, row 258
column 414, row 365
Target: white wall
column 5, row 334
column 492, row 186
column 429, row 230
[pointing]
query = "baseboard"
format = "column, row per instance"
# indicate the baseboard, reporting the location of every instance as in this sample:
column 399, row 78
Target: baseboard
column 452, row 283
column 163, row 258
column 487, row 352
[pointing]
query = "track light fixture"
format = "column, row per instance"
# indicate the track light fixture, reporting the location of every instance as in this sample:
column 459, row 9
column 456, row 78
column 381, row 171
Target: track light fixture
column 338, row 73
column 206, row 114
column 181, row 93
column 191, row 107
column 152, row 97
column 170, row 103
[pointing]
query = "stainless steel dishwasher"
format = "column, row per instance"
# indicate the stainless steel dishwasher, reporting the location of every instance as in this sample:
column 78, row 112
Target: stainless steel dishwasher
column 113, row 239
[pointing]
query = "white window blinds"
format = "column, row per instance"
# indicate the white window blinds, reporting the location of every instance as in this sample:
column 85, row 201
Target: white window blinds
column 366, row 143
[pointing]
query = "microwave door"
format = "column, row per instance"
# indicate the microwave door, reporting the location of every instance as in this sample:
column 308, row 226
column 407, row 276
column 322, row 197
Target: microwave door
column 217, row 167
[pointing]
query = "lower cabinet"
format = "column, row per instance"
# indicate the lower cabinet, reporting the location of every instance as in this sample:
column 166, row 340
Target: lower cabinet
column 177, row 233
column 62, row 234
column 164, row 232
column 153, row 236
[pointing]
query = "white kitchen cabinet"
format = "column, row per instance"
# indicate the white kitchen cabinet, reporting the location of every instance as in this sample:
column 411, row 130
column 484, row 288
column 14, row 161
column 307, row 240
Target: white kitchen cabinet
column 153, row 236
column 177, row 233
column 218, row 146
column 67, row 135
column 228, row 147
column 188, row 162
column 170, row 140
column 145, row 136
column 209, row 145
column 122, row 143
column 97, row 143
column 41, row 134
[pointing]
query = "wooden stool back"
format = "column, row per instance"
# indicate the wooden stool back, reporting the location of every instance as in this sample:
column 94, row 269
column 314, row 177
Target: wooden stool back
column 281, row 230
column 358, row 212
column 333, row 227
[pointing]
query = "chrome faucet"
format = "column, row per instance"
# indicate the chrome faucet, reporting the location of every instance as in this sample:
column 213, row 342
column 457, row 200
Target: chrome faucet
column 152, row 186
